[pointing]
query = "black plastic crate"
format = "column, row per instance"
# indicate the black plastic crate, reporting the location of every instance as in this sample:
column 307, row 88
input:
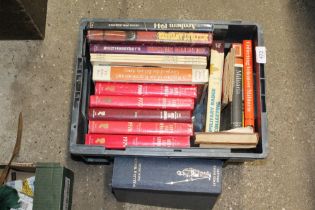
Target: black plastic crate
column 83, row 86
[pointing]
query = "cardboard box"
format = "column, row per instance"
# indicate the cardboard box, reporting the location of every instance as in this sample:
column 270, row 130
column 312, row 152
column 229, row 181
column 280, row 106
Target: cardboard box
column 53, row 184
column 167, row 182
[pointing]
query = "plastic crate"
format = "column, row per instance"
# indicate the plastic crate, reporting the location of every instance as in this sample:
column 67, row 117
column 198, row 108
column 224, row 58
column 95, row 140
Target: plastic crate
column 83, row 85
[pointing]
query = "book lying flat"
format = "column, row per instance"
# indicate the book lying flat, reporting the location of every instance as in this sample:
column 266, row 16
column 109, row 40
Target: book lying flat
column 141, row 128
column 150, row 74
column 228, row 146
column 140, row 89
column 149, row 49
column 123, row 141
column 199, row 62
column 234, row 138
column 146, row 115
column 169, row 25
column 142, row 102
column 187, row 38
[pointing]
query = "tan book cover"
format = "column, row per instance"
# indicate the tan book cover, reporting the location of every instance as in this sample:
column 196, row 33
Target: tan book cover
column 199, row 62
column 215, row 87
column 150, row 74
column 228, row 77
column 226, row 138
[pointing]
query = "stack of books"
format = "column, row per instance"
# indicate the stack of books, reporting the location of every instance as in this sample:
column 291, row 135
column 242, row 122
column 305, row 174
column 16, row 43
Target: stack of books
column 149, row 84
column 146, row 87
column 230, row 107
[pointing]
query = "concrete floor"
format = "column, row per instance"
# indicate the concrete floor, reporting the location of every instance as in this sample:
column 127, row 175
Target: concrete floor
column 36, row 78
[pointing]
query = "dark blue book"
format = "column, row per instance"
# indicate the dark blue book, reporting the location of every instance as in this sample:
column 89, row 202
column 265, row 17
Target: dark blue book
column 167, row 182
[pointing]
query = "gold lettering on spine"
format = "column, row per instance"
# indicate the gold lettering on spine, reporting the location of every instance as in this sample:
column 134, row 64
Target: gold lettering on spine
column 130, row 126
column 103, row 125
column 100, row 141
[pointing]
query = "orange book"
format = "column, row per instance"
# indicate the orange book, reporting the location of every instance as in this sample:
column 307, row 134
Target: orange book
column 150, row 74
column 248, row 84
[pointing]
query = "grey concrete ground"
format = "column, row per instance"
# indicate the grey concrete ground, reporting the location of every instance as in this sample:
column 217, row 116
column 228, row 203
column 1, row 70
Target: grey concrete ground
column 36, row 78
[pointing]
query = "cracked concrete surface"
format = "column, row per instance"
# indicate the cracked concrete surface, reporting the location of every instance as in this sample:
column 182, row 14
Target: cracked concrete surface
column 36, row 78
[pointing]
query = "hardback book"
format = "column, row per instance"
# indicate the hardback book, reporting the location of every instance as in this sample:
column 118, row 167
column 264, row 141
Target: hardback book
column 175, row 61
column 151, row 37
column 152, row 26
column 149, row 49
column 141, row 128
column 215, row 87
column 123, row 141
column 150, row 75
column 249, row 116
column 235, row 138
column 186, row 183
column 141, row 102
column 237, row 99
column 142, row 89
column 148, row 115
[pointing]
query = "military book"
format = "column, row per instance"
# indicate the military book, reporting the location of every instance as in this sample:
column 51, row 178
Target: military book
column 240, row 138
column 147, row 115
column 168, row 61
column 150, row 75
column 237, row 99
column 215, row 87
column 149, row 49
column 141, row 128
column 123, row 141
column 169, row 25
column 169, row 182
column 139, row 89
column 142, row 102
column 248, row 77
column 150, row 37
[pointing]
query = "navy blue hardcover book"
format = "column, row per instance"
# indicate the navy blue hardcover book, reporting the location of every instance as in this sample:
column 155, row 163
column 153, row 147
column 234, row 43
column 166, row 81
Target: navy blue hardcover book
column 168, row 182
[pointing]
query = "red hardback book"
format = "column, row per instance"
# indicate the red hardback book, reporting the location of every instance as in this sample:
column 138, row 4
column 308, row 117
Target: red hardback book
column 123, row 141
column 158, row 37
column 141, row 102
column 141, row 128
column 134, row 89
column 140, row 115
column 248, row 82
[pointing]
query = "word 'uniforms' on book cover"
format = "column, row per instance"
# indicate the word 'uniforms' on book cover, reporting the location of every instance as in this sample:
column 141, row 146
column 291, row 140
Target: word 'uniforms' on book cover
column 248, row 84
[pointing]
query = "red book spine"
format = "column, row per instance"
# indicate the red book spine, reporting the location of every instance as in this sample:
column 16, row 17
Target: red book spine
column 123, row 141
column 248, row 79
column 141, row 128
column 140, row 115
column 141, row 102
column 133, row 89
